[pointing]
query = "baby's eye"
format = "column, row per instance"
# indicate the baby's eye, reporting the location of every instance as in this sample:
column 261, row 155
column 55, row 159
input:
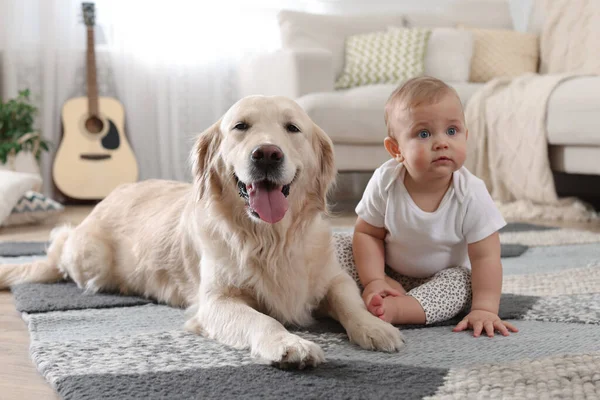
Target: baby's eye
column 451, row 131
column 424, row 134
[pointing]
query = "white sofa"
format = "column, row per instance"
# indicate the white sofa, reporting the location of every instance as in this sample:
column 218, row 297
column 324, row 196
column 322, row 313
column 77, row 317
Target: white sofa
column 312, row 57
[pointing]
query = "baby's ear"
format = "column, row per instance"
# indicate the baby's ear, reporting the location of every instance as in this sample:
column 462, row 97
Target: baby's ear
column 391, row 145
column 466, row 134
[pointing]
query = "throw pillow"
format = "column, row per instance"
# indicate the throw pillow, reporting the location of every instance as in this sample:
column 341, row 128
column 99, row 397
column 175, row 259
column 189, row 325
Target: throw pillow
column 32, row 207
column 384, row 57
column 12, row 186
column 449, row 53
column 500, row 52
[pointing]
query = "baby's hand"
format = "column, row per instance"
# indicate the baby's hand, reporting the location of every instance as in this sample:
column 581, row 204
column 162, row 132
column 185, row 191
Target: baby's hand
column 479, row 320
column 380, row 287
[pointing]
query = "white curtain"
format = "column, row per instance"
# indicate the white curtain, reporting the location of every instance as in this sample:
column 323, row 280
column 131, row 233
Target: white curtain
column 171, row 63
column 41, row 48
column 174, row 69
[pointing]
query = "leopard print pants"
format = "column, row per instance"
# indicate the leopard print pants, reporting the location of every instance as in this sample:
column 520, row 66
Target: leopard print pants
column 442, row 296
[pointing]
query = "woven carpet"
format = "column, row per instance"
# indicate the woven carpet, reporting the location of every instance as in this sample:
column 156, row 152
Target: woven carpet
column 110, row 346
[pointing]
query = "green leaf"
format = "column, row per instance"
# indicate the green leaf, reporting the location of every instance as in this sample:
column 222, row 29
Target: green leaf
column 17, row 118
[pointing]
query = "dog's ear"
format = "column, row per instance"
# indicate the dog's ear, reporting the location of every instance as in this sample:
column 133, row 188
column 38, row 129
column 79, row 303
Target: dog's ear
column 203, row 158
column 327, row 172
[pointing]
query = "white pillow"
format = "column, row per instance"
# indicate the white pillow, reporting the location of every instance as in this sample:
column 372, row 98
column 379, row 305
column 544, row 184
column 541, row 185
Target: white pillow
column 301, row 30
column 12, row 186
column 449, row 54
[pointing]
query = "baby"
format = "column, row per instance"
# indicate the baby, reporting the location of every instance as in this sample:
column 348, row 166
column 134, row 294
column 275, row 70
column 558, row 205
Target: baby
column 427, row 229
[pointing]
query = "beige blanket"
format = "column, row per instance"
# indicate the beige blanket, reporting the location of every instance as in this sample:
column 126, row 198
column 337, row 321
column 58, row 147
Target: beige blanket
column 570, row 36
column 507, row 145
column 508, row 148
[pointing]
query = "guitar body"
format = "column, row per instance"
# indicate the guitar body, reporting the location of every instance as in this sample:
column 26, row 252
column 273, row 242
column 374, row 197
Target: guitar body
column 89, row 165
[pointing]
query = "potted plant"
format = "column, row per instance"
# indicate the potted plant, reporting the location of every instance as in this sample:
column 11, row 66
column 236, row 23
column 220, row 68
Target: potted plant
column 20, row 145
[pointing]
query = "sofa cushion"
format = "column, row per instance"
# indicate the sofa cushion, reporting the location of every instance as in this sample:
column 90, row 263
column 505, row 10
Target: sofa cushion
column 575, row 159
column 384, row 57
column 355, row 116
column 573, row 110
column 499, row 52
column 352, row 157
column 301, row 30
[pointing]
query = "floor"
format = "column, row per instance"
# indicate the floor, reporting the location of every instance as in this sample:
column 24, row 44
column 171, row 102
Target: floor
column 19, row 380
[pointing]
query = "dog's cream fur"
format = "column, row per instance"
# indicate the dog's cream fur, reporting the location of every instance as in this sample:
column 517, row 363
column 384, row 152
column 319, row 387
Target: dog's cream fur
column 197, row 246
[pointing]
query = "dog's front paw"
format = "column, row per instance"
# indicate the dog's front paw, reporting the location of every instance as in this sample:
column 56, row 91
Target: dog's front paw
column 289, row 352
column 371, row 333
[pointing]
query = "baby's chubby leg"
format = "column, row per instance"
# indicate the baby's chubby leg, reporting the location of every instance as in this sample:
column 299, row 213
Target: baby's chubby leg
column 423, row 305
column 445, row 295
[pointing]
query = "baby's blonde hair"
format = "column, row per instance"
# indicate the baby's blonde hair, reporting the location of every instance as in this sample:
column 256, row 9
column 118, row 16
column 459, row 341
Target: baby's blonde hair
column 415, row 92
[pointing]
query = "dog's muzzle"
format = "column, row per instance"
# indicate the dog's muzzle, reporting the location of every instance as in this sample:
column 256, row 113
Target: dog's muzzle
column 265, row 195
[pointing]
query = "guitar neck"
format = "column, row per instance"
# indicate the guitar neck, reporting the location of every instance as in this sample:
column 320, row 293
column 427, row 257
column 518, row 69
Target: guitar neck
column 92, row 86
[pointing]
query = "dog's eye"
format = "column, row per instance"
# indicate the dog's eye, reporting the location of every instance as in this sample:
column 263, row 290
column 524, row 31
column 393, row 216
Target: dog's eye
column 292, row 128
column 242, row 126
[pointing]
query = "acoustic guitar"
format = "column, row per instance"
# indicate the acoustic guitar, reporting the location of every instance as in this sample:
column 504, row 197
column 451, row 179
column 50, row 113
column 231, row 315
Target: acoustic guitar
column 94, row 155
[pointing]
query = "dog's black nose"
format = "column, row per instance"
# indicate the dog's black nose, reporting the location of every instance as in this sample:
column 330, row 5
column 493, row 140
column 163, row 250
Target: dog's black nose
column 267, row 156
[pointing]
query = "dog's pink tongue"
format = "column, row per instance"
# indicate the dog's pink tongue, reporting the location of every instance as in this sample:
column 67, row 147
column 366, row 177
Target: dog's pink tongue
column 271, row 205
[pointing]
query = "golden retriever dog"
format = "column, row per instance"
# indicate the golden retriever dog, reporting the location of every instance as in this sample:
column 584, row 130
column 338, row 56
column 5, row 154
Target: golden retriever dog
column 246, row 247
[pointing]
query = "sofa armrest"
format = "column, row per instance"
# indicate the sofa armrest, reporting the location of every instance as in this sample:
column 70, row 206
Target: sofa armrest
column 287, row 72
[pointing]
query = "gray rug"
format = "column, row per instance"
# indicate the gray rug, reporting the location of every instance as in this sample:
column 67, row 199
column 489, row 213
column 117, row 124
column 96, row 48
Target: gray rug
column 16, row 249
column 110, row 346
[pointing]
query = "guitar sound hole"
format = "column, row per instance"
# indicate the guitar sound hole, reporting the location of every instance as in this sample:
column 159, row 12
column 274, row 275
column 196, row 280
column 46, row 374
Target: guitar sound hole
column 94, row 125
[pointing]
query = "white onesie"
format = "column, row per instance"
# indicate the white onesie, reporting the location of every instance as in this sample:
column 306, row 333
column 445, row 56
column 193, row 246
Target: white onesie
column 419, row 243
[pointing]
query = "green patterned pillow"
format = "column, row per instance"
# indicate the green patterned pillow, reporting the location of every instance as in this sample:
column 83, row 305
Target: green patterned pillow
column 33, row 207
column 384, row 57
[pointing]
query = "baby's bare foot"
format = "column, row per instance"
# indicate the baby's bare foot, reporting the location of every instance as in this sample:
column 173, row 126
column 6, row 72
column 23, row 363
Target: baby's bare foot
column 375, row 306
column 386, row 308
